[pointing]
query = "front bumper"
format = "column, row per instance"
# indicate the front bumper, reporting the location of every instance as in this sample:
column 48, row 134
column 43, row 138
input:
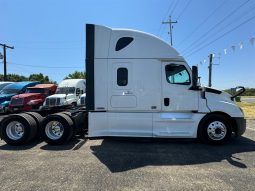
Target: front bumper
column 46, row 107
column 240, row 125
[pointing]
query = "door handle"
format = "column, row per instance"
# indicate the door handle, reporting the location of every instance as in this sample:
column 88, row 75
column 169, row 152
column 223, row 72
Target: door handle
column 127, row 93
column 166, row 101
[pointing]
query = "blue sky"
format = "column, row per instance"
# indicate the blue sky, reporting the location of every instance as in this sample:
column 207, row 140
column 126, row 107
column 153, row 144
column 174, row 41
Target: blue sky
column 49, row 36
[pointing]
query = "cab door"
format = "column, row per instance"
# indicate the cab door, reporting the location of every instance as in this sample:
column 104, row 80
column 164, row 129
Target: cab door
column 176, row 93
column 121, row 92
column 179, row 103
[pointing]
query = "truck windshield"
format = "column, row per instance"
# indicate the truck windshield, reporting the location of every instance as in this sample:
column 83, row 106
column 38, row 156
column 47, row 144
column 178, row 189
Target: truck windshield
column 35, row 90
column 65, row 90
column 10, row 91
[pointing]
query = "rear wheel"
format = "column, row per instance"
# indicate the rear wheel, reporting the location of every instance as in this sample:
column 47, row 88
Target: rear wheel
column 39, row 120
column 74, row 104
column 18, row 129
column 215, row 129
column 57, row 129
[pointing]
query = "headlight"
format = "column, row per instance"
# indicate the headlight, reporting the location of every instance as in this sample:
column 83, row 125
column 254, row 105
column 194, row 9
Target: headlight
column 5, row 103
column 31, row 102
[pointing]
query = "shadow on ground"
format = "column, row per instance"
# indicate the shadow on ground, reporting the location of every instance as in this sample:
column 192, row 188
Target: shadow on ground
column 20, row 147
column 74, row 144
column 121, row 155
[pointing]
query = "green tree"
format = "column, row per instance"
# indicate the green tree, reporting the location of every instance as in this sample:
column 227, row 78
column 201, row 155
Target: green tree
column 40, row 77
column 76, row 75
column 14, row 78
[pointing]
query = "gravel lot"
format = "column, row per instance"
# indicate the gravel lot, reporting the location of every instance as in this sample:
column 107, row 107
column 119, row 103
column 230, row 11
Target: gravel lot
column 130, row 165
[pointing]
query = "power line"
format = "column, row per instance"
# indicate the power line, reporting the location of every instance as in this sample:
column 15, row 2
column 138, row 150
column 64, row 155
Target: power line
column 43, row 42
column 223, row 27
column 202, row 23
column 40, row 66
column 169, row 7
column 50, row 48
column 172, row 12
column 218, row 38
column 181, row 13
column 215, row 26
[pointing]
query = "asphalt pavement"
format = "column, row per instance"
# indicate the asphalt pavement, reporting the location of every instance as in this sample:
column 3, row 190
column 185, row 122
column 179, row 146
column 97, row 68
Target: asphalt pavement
column 130, row 165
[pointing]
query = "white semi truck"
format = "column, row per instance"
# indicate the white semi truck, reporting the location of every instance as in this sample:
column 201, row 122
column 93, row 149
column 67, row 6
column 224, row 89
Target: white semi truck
column 136, row 86
column 68, row 93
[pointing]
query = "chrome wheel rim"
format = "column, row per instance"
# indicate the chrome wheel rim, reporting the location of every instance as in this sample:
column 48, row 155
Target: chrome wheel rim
column 54, row 130
column 15, row 130
column 217, row 130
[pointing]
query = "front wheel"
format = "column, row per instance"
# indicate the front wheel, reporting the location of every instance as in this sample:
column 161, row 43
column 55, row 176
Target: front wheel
column 215, row 129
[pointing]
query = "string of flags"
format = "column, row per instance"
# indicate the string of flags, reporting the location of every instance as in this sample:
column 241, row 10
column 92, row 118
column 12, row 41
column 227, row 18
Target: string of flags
column 233, row 48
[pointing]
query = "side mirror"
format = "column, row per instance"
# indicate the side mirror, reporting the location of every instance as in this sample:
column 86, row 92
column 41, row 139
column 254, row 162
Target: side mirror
column 194, row 77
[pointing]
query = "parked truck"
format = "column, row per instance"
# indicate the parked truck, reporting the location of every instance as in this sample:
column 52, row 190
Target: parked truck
column 136, row 86
column 3, row 84
column 32, row 99
column 82, row 100
column 11, row 90
column 67, row 94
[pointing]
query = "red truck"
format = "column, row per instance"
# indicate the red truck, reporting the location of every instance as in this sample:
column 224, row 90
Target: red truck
column 32, row 99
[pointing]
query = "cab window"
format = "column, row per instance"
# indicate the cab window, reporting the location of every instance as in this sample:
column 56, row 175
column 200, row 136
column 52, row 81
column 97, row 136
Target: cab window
column 122, row 76
column 78, row 91
column 177, row 74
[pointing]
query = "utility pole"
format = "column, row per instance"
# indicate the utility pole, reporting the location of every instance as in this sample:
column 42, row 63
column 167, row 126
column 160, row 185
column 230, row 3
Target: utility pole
column 210, row 70
column 5, row 69
column 170, row 22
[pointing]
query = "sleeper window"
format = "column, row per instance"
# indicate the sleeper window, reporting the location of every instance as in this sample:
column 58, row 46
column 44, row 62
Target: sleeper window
column 122, row 76
column 123, row 42
column 177, row 74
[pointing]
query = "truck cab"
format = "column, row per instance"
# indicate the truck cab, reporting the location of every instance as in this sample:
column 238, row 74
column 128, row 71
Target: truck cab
column 67, row 94
column 145, row 88
column 33, row 98
column 136, row 86
column 11, row 90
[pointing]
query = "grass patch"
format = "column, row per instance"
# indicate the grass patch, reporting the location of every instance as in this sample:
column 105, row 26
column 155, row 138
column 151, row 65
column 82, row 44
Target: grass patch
column 248, row 108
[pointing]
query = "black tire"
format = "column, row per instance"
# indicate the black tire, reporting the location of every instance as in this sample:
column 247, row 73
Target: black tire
column 67, row 113
column 39, row 120
column 74, row 104
column 28, row 123
column 67, row 125
column 215, row 129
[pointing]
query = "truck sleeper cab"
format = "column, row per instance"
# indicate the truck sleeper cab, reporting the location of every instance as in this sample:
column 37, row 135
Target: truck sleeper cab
column 67, row 94
column 33, row 98
column 151, row 91
column 136, row 86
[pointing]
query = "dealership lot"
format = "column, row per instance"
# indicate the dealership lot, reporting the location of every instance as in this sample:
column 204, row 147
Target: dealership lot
column 130, row 165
